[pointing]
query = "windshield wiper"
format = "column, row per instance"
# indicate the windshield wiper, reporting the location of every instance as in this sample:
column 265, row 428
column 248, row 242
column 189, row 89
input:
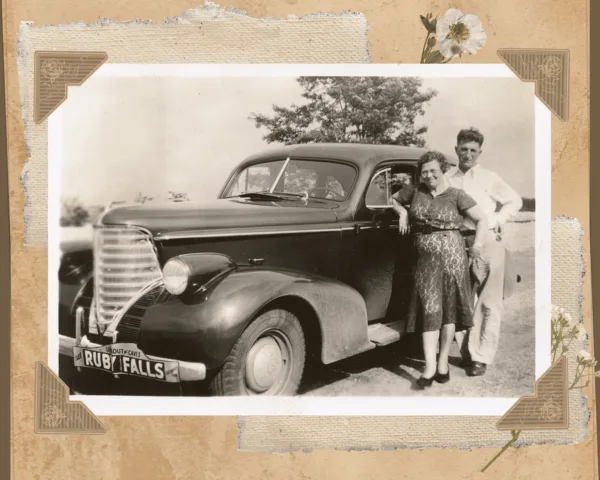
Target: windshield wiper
column 273, row 196
column 262, row 196
column 295, row 195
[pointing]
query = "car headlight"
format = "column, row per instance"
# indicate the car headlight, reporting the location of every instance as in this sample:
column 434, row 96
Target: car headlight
column 176, row 275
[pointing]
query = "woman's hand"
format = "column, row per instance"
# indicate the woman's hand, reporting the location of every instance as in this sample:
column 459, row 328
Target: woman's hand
column 403, row 227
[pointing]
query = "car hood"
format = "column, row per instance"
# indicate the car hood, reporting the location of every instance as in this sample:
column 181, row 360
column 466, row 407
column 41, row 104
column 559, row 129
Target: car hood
column 232, row 213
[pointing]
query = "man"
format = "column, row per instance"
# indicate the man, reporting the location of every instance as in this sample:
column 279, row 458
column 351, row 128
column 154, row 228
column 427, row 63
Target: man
column 479, row 345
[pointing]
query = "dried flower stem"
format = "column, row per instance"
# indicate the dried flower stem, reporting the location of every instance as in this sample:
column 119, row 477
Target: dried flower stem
column 578, row 375
column 515, row 435
column 563, row 332
column 425, row 50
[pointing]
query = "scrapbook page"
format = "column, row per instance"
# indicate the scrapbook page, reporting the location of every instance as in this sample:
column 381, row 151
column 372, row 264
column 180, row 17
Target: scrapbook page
column 355, row 230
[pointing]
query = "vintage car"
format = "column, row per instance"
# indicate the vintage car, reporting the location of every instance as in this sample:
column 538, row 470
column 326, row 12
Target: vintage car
column 298, row 260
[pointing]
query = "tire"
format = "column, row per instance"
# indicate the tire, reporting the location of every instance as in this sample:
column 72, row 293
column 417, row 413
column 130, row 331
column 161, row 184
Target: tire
column 267, row 359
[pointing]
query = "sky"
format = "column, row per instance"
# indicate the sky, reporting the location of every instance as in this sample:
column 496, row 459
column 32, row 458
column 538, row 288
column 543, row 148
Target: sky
column 125, row 135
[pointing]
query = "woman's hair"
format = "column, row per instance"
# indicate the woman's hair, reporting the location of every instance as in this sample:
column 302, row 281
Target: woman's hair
column 433, row 156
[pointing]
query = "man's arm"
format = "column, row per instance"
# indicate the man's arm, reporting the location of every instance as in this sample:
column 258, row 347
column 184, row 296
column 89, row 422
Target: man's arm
column 510, row 200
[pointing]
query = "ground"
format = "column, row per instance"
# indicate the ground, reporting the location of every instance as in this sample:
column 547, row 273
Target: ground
column 393, row 370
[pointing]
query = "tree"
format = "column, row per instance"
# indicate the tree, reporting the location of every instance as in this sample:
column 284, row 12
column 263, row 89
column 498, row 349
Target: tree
column 73, row 213
column 140, row 198
column 351, row 109
column 178, row 197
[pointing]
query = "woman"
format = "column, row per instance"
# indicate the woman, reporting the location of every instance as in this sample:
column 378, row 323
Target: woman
column 442, row 299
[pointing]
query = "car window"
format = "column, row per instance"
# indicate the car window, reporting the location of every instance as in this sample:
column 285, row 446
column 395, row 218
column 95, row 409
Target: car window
column 385, row 183
column 256, row 178
column 316, row 179
column 378, row 193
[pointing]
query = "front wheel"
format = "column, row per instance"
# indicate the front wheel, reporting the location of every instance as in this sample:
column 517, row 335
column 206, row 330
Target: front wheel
column 267, row 359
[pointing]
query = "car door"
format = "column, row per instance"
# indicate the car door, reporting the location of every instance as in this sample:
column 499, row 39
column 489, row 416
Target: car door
column 382, row 262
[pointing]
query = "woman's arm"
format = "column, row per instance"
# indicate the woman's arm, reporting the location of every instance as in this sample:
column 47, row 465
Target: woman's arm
column 402, row 215
column 478, row 216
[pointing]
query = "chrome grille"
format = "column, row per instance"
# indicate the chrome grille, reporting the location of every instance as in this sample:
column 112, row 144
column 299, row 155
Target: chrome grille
column 129, row 326
column 125, row 263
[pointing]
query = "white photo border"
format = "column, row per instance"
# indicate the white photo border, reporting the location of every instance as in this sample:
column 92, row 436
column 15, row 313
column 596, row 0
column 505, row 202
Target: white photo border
column 306, row 405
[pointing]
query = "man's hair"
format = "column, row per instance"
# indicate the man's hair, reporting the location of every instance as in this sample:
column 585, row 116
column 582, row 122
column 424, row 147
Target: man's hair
column 433, row 156
column 469, row 135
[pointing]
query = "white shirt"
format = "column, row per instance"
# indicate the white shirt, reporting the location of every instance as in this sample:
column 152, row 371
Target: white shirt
column 486, row 188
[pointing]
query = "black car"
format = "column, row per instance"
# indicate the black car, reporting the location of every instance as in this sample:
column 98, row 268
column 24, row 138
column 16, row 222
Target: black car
column 298, row 258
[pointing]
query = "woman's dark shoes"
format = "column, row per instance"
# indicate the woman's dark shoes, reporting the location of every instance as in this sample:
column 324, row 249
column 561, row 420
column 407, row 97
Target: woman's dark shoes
column 477, row 369
column 425, row 382
column 442, row 377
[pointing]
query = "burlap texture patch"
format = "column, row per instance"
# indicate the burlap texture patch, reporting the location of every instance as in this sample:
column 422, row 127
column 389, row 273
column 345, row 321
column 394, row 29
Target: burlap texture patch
column 284, row 434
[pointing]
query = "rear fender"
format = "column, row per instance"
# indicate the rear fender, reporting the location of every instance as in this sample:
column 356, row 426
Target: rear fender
column 204, row 327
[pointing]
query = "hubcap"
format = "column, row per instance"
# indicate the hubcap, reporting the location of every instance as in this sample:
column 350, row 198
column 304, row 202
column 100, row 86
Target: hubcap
column 264, row 364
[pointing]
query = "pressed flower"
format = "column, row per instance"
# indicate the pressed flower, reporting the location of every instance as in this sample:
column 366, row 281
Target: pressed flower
column 580, row 333
column 568, row 318
column 584, row 356
column 457, row 33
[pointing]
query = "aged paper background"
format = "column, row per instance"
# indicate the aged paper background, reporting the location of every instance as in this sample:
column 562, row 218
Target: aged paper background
column 207, row 447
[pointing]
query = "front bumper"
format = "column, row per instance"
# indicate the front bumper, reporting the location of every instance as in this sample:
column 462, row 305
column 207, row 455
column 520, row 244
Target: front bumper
column 188, row 371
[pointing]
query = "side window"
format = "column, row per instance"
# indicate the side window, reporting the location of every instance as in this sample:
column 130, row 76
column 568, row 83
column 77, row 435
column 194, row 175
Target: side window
column 385, row 183
column 379, row 192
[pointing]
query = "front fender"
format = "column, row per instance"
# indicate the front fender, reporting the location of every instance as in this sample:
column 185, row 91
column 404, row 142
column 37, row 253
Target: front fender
column 74, row 283
column 203, row 328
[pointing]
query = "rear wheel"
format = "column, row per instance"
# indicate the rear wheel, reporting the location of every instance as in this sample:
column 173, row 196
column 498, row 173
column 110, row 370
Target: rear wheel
column 267, row 359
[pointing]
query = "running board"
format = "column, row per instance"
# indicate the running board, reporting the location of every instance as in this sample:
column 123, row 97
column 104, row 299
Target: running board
column 385, row 333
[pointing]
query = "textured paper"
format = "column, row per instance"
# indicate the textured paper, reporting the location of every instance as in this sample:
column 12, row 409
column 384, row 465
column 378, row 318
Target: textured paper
column 206, row 447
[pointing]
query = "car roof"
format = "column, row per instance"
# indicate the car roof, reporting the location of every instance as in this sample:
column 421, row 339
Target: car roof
column 362, row 154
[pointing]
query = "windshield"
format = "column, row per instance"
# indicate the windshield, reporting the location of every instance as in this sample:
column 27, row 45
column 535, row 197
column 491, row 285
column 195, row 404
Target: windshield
column 314, row 179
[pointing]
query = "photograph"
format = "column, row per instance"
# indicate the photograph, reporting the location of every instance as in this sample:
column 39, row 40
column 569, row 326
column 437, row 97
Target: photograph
column 314, row 234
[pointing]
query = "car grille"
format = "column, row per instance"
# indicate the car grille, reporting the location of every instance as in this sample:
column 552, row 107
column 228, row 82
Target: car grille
column 129, row 326
column 125, row 263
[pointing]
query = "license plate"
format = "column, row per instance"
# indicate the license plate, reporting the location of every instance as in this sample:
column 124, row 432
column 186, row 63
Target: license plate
column 126, row 359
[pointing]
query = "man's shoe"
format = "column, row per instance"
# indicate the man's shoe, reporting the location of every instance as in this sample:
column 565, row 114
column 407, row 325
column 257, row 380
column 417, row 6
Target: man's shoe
column 477, row 369
column 465, row 363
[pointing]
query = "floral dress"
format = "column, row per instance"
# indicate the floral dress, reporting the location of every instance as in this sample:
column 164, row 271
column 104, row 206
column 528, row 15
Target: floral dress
column 442, row 289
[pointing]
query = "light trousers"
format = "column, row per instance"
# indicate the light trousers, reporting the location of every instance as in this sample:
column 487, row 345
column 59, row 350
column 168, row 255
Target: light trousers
column 480, row 342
